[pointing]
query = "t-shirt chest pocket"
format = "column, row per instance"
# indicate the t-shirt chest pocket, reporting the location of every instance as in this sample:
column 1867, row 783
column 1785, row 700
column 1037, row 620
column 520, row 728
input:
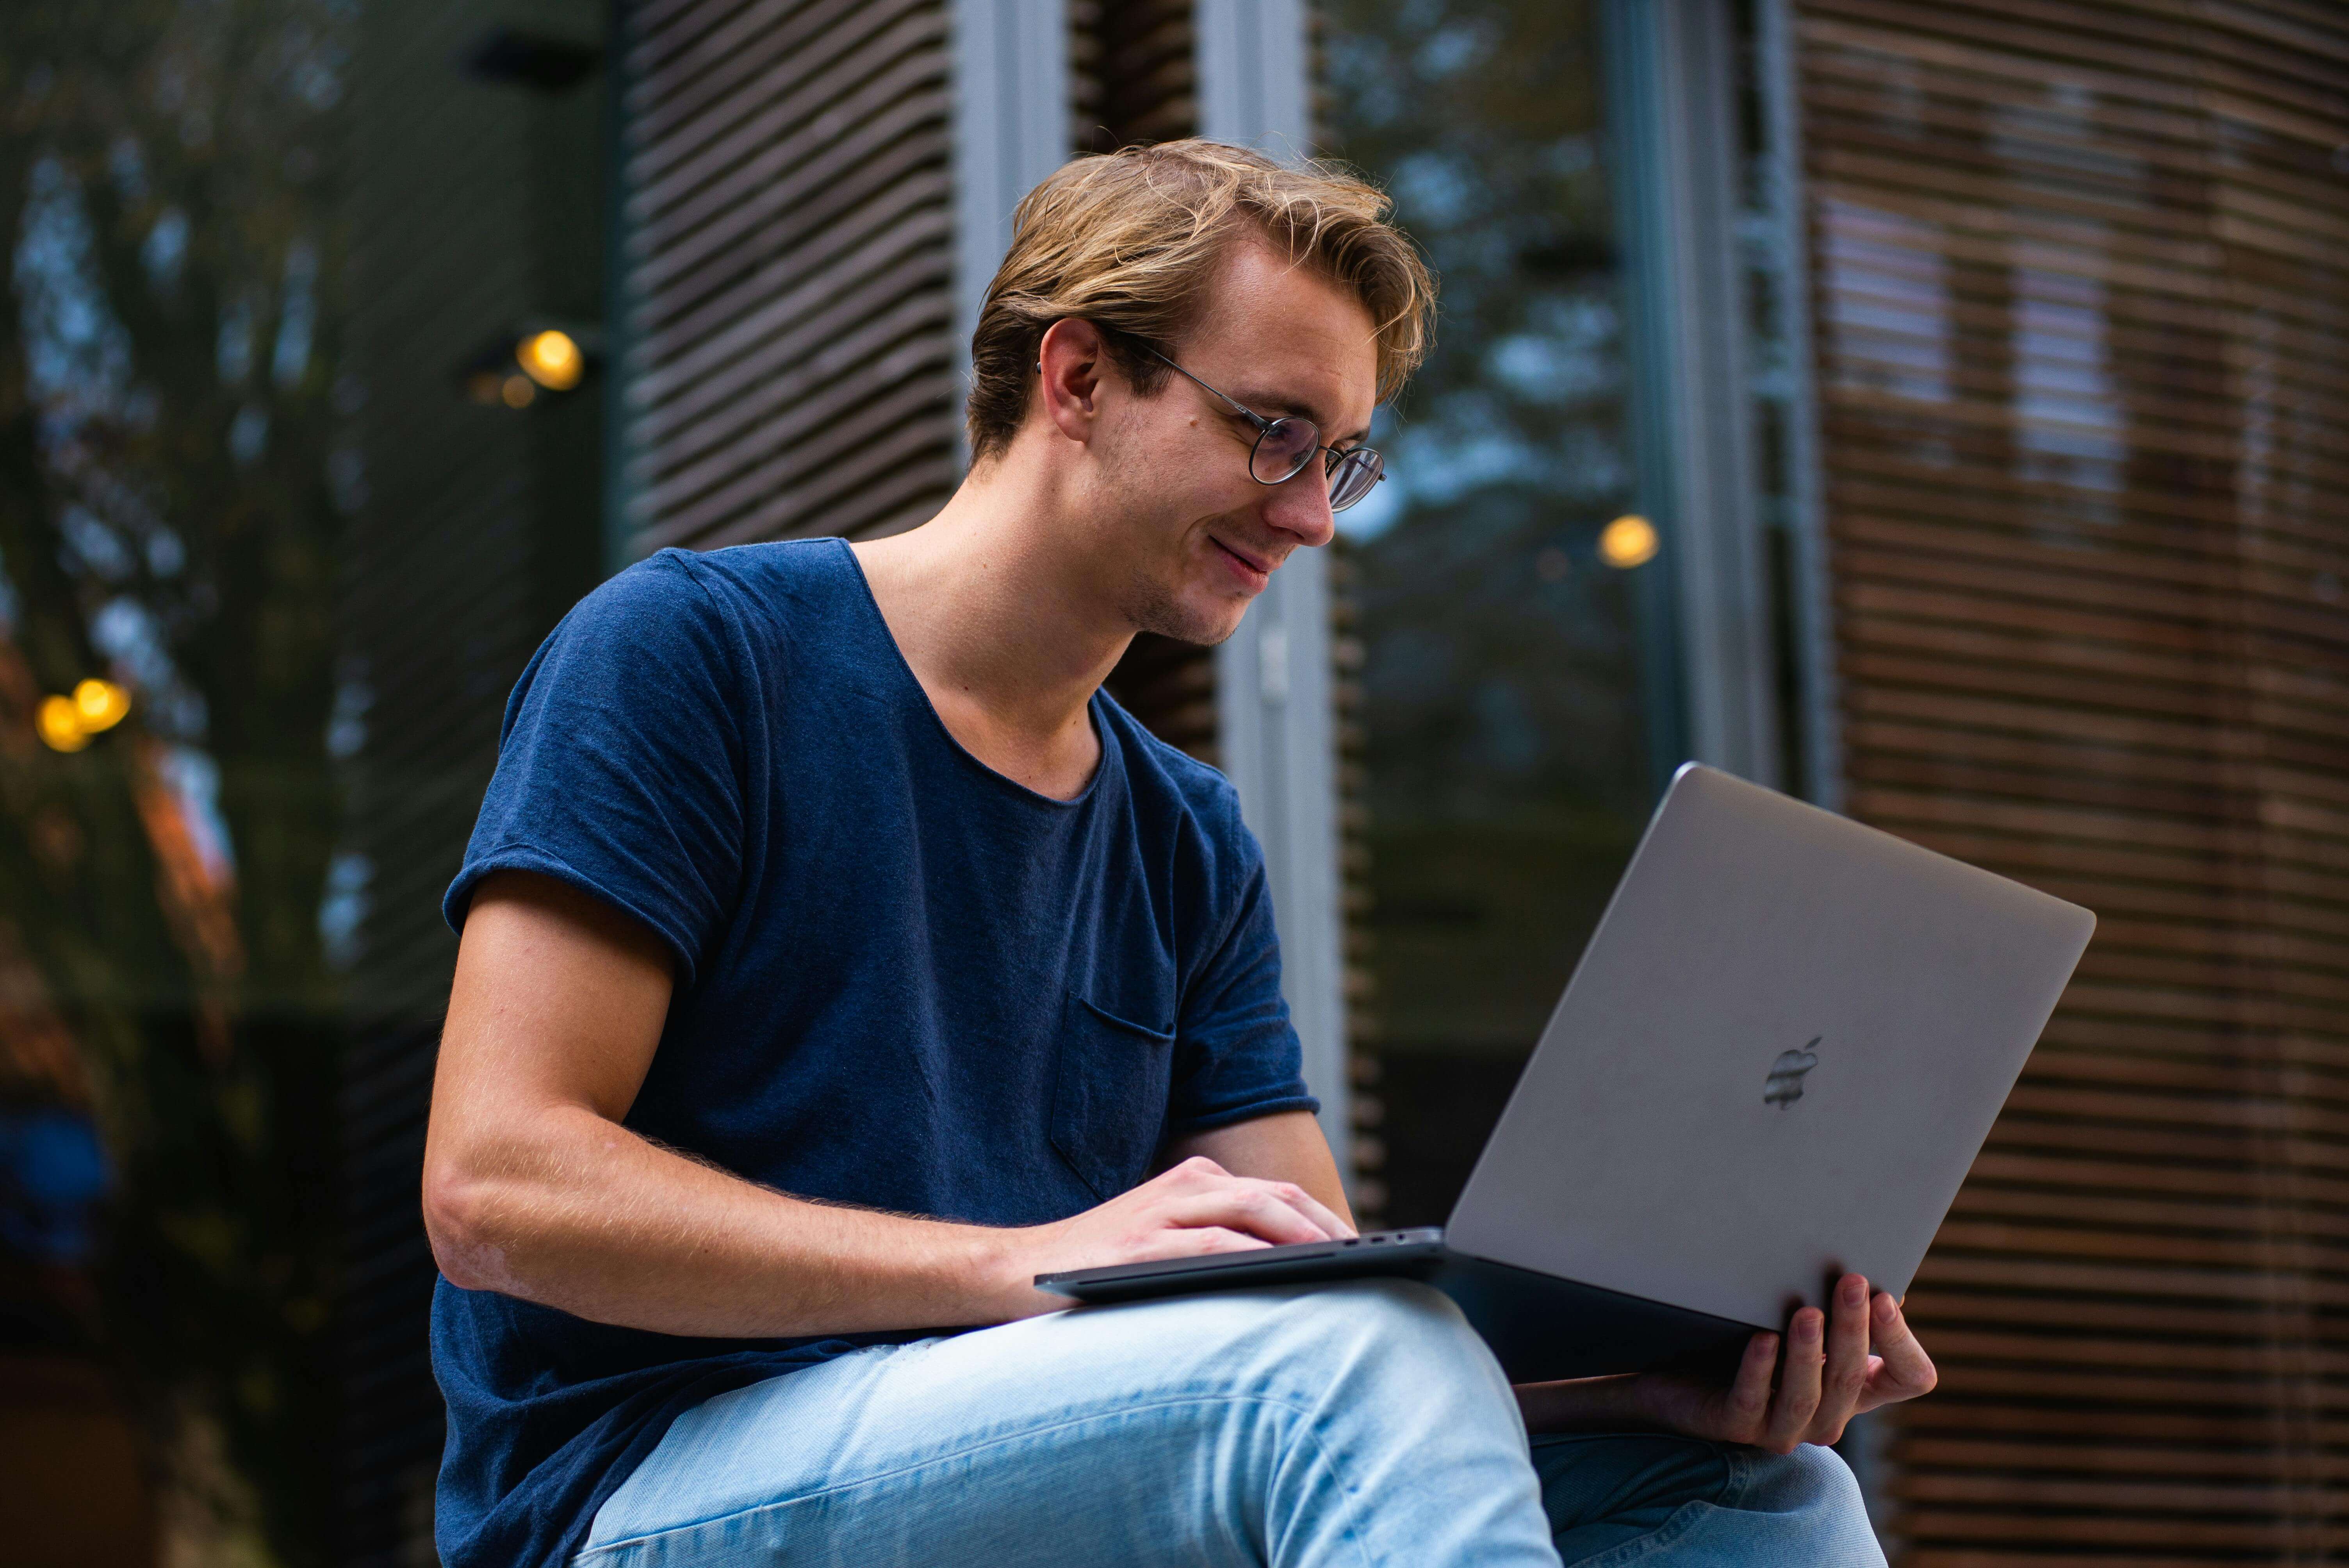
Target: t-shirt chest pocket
column 1110, row 1088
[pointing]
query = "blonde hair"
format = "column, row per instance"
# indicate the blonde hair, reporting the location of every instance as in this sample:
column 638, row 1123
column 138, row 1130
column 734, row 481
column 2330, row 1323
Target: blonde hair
column 1127, row 241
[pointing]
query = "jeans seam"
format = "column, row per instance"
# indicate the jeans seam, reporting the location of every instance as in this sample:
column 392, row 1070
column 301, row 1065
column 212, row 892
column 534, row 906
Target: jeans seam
column 594, row 1553
column 1686, row 1517
column 1743, row 1471
column 1683, row 1519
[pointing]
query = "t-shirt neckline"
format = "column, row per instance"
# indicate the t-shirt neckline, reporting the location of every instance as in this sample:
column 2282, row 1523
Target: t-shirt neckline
column 913, row 692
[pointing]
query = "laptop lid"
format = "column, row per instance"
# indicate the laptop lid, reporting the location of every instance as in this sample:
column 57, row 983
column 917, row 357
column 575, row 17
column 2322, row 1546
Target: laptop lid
column 1775, row 1061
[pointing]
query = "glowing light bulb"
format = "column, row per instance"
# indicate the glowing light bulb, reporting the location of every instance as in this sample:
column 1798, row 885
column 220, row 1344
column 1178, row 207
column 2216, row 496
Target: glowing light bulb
column 551, row 359
column 99, row 704
column 59, row 722
column 1628, row 542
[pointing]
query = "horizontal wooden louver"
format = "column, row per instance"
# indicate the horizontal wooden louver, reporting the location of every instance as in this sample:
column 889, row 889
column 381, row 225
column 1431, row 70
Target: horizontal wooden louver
column 788, row 254
column 2082, row 302
column 1134, row 72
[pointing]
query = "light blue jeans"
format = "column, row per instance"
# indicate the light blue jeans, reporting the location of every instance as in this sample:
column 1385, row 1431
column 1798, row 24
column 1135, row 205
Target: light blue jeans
column 1357, row 1425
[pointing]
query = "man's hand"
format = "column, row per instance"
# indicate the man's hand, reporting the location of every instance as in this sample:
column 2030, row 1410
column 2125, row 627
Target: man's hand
column 1832, row 1370
column 1195, row 1209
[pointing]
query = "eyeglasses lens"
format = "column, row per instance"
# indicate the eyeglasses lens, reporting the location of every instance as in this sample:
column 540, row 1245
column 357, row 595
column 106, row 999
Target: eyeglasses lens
column 1283, row 449
column 1352, row 476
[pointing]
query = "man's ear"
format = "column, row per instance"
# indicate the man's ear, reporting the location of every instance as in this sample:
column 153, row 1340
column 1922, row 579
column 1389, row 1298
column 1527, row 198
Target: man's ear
column 1070, row 364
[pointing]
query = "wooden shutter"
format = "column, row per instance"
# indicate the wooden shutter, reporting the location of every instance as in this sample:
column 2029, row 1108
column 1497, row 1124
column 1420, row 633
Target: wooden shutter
column 788, row 257
column 2082, row 297
column 1134, row 72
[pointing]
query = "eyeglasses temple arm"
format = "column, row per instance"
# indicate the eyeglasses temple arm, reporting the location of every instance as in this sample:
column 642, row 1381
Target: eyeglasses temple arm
column 1236, row 407
column 1250, row 415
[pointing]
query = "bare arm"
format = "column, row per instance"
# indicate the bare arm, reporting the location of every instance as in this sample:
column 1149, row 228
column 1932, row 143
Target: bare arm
column 532, row 1187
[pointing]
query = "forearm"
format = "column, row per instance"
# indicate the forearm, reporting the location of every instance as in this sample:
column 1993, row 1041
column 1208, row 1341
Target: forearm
column 581, row 1214
column 1583, row 1405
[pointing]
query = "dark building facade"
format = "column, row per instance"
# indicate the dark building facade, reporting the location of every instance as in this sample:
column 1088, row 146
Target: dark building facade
column 1974, row 369
column 1933, row 411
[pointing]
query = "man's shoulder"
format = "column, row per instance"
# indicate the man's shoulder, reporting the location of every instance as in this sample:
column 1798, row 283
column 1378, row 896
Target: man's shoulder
column 719, row 596
column 703, row 581
column 1165, row 776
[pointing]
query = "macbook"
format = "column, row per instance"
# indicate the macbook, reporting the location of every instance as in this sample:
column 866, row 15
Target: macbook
column 1782, row 1049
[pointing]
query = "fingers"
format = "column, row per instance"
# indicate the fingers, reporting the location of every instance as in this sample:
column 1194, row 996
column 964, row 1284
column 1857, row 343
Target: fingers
column 1191, row 1172
column 1194, row 1241
column 1824, row 1371
column 1748, row 1403
column 1275, row 1212
column 1905, row 1371
column 1313, row 1209
column 1798, row 1382
column 1201, row 1174
column 1845, row 1373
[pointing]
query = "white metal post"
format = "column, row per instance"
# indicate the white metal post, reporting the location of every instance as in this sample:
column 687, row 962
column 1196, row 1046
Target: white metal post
column 1814, row 603
column 1672, row 67
column 1011, row 129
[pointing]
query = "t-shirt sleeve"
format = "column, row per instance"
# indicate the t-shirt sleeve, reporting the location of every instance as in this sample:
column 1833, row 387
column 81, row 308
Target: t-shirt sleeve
column 1236, row 1055
column 621, row 763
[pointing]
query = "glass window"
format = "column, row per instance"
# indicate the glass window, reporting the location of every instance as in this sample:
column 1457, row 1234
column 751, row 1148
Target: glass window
column 1507, row 773
column 300, row 455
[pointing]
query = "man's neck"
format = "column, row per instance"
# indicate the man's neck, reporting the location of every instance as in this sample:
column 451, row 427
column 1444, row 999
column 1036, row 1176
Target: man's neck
column 1004, row 623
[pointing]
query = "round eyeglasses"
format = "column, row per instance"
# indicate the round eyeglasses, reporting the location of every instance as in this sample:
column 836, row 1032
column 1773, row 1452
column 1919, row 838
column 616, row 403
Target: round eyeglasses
column 1284, row 446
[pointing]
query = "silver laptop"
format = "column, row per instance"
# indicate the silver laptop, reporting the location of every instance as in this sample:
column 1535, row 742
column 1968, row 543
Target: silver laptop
column 1775, row 1063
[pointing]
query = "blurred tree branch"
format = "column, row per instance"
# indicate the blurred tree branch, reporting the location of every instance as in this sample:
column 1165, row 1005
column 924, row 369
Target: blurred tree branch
column 168, row 379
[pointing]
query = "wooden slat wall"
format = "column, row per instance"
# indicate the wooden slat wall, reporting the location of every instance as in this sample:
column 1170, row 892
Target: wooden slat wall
column 2082, row 296
column 1134, row 72
column 788, row 223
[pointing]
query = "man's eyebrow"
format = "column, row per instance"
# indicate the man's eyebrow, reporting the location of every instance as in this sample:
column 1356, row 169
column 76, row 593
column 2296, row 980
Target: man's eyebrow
column 1275, row 405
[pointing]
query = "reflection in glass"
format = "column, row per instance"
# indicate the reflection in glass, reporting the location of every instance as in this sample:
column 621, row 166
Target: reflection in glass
column 1507, row 773
column 169, row 424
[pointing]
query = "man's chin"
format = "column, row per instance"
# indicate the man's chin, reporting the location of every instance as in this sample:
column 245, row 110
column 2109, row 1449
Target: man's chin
column 1204, row 625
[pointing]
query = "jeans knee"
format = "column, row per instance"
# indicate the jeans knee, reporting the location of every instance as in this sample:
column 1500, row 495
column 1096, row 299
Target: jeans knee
column 1813, row 1484
column 1819, row 1476
column 1395, row 1312
column 1383, row 1331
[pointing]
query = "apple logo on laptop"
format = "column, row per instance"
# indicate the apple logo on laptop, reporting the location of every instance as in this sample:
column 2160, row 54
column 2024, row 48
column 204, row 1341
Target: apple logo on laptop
column 1784, row 1087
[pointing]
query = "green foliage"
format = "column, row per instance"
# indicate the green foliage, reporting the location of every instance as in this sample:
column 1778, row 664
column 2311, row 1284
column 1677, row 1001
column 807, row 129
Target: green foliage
column 167, row 447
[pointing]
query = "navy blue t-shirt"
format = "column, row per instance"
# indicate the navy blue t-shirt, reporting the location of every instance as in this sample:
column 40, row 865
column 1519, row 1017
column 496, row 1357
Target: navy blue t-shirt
column 902, row 980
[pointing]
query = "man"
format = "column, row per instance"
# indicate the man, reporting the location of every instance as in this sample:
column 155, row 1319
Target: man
column 836, row 957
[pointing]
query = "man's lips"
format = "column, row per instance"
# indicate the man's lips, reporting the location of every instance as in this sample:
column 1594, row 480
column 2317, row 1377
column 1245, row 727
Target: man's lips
column 1254, row 563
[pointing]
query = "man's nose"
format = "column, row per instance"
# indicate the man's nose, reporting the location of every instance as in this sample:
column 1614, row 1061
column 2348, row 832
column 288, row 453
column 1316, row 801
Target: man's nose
column 1299, row 506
